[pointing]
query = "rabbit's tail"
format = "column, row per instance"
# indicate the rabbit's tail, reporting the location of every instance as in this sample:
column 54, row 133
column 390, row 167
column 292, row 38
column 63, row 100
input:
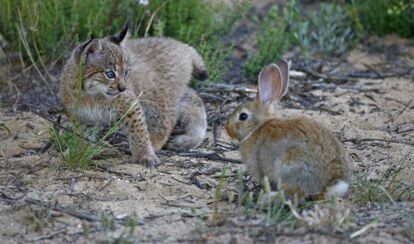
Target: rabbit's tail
column 199, row 69
column 339, row 189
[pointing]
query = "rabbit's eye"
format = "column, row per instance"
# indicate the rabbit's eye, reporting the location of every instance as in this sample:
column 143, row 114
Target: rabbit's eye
column 126, row 72
column 110, row 74
column 243, row 116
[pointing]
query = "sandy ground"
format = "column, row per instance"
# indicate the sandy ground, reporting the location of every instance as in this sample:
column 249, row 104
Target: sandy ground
column 374, row 118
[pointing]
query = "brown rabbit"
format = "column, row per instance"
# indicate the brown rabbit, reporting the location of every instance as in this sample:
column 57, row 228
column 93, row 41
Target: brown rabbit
column 298, row 154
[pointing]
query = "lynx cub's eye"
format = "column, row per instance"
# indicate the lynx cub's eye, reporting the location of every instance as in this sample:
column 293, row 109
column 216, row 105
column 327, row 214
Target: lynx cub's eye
column 243, row 116
column 126, row 72
column 110, row 74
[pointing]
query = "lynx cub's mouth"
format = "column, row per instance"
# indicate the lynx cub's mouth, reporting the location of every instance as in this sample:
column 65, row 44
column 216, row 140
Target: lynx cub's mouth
column 113, row 92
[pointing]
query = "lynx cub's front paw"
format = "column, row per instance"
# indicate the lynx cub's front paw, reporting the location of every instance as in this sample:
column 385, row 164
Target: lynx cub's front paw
column 150, row 161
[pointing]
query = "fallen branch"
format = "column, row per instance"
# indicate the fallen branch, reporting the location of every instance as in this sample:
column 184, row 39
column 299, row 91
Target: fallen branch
column 71, row 212
column 339, row 79
column 229, row 88
column 209, row 156
column 49, row 236
column 390, row 140
column 371, row 225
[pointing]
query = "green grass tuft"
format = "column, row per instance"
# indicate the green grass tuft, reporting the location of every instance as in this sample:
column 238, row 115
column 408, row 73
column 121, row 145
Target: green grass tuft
column 388, row 188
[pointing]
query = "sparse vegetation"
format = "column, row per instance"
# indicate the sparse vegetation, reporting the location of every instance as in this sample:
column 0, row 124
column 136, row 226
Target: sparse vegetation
column 327, row 30
column 272, row 42
column 383, row 17
column 75, row 147
column 388, row 188
column 4, row 127
column 45, row 31
column 40, row 218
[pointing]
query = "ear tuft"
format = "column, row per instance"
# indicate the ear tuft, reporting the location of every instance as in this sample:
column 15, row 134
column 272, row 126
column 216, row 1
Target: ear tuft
column 80, row 49
column 119, row 37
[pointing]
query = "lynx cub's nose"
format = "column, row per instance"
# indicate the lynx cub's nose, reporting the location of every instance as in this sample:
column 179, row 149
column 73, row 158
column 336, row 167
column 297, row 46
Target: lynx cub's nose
column 121, row 88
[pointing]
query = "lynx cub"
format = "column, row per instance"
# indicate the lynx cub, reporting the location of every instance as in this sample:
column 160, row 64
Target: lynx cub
column 117, row 70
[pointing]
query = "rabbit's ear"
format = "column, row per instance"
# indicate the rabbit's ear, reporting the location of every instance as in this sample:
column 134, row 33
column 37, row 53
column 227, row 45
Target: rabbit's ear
column 284, row 68
column 270, row 84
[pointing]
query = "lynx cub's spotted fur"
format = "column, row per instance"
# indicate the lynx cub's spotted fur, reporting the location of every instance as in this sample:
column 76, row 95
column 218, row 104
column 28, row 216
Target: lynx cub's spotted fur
column 117, row 70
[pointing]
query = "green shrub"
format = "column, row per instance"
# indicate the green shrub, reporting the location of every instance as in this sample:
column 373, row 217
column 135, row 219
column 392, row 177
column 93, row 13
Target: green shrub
column 327, row 30
column 272, row 42
column 383, row 17
column 45, row 30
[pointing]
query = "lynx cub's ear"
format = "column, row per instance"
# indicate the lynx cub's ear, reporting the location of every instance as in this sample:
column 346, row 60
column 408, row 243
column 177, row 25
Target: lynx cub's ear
column 91, row 46
column 118, row 38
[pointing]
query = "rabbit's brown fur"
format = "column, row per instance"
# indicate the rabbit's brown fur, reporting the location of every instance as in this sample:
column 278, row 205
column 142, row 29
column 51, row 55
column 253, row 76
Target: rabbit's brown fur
column 160, row 69
column 298, row 154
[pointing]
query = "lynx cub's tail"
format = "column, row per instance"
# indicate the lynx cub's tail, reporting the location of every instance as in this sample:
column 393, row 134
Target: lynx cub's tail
column 199, row 69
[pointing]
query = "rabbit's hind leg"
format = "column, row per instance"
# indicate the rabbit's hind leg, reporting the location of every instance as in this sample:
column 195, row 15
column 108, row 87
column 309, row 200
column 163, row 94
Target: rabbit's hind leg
column 300, row 180
column 191, row 127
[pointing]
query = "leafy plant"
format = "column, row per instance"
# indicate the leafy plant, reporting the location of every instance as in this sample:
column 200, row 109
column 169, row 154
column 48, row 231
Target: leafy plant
column 298, row 27
column 271, row 42
column 331, row 29
column 382, row 17
column 327, row 30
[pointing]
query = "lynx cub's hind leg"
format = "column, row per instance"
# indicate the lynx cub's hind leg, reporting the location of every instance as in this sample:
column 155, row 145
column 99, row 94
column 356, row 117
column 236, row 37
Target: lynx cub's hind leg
column 191, row 125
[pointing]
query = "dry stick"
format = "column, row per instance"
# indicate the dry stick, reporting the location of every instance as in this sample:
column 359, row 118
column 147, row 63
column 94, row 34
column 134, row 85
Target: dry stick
column 153, row 16
column 29, row 200
column 327, row 77
column 380, row 75
column 364, row 229
column 73, row 213
column 209, row 156
column 390, row 140
column 109, row 170
column 49, row 236
column 26, row 47
column 230, row 88
column 405, row 108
